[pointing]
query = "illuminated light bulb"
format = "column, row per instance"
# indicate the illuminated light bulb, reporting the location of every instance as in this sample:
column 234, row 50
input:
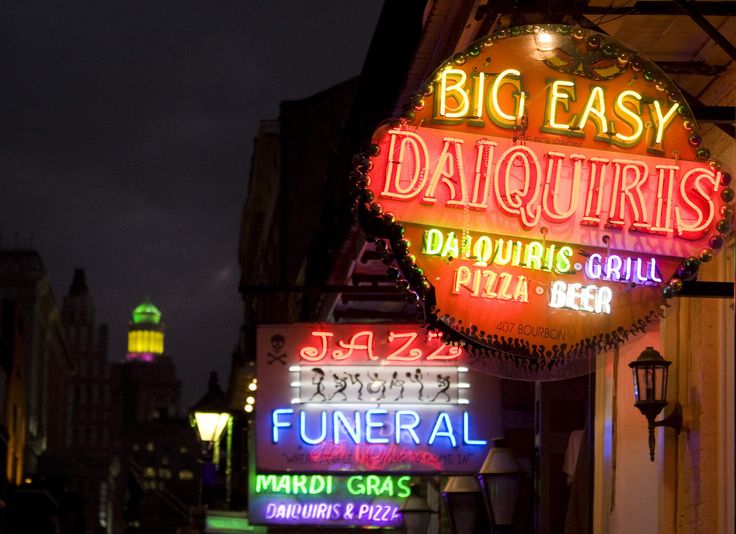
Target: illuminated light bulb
column 295, row 368
column 252, row 386
column 250, row 400
column 248, row 408
column 545, row 41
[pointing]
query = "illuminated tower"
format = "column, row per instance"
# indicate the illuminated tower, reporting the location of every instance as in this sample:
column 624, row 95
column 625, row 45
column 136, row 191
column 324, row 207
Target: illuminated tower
column 145, row 333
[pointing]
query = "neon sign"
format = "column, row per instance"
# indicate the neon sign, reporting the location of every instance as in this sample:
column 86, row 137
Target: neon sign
column 530, row 185
column 405, row 346
column 378, row 398
column 610, row 116
column 372, row 384
column 372, row 426
column 550, row 177
column 360, row 500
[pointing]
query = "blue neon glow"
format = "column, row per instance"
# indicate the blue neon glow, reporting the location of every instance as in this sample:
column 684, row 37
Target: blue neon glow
column 371, row 424
column 353, row 432
column 303, row 429
column 448, row 433
column 409, row 427
column 280, row 424
column 466, row 437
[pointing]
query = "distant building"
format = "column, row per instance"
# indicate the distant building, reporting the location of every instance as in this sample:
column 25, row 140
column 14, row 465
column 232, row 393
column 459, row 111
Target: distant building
column 93, row 465
column 38, row 368
column 145, row 333
column 148, row 383
column 159, row 451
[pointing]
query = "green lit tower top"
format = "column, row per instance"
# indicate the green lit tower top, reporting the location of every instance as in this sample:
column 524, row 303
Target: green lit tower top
column 145, row 332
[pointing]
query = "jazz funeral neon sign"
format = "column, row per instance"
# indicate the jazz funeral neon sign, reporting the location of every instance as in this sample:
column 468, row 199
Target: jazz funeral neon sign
column 379, row 398
column 547, row 176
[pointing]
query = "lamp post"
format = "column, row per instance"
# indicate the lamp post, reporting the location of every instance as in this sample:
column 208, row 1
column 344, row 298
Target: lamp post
column 416, row 512
column 650, row 392
column 210, row 416
column 500, row 479
column 464, row 502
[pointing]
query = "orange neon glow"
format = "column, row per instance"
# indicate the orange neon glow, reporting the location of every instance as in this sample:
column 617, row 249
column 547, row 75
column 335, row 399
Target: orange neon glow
column 532, row 186
column 544, row 184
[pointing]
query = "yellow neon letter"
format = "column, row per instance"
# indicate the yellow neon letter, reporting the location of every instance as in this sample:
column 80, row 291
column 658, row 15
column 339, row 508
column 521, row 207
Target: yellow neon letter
column 497, row 83
column 662, row 122
column 461, row 95
column 634, row 115
column 596, row 105
column 432, row 242
column 564, row 97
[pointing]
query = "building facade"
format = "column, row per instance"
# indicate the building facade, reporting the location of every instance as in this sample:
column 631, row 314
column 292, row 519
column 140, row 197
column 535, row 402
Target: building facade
column 93, row 450
column 336, row 277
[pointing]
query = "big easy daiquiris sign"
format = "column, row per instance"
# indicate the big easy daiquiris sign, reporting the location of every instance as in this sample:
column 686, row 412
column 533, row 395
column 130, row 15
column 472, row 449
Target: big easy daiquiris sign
column 544, row 194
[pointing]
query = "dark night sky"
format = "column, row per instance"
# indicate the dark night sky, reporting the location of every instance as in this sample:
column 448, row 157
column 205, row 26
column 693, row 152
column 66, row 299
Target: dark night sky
column 125, row 143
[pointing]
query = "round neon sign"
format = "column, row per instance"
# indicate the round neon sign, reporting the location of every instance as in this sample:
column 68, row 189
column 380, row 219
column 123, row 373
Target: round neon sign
column 544, row 194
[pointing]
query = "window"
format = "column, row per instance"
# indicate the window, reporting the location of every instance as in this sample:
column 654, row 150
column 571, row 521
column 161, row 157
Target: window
column 186, row 474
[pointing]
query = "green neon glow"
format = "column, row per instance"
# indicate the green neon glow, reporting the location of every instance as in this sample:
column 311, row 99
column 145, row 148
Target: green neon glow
column 499, row 251
column 358, row 485
column 221, row 523
column 386, row 486
column 295, row 484
column 146, row 312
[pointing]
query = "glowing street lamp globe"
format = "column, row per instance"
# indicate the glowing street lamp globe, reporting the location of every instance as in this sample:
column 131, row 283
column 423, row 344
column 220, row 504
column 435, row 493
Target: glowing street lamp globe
column 210, row 425
column 211, row 414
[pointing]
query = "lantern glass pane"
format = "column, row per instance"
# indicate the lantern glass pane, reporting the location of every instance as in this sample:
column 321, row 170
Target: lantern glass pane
column 416, row 521
column 210, row 425
column 502, row 492
column 661, row 382
column 647, row 383
column 464, row 510
column 635, row 374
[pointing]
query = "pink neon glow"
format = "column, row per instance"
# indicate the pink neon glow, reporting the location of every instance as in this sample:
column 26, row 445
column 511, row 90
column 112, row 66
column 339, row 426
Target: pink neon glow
column 140, row 356
column 653, row 203
column 362, row 345
column 372, row 456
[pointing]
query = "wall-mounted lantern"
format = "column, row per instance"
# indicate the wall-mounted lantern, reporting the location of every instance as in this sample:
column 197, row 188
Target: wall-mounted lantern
column 500, row 480
column 464, row 502
column 650, row 392
column 416, row 512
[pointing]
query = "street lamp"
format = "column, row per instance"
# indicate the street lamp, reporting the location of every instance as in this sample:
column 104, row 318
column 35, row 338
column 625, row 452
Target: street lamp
column 500, row 479
column 464, row 501
column 416, row 512
column 211, row 414
column 650, row 392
